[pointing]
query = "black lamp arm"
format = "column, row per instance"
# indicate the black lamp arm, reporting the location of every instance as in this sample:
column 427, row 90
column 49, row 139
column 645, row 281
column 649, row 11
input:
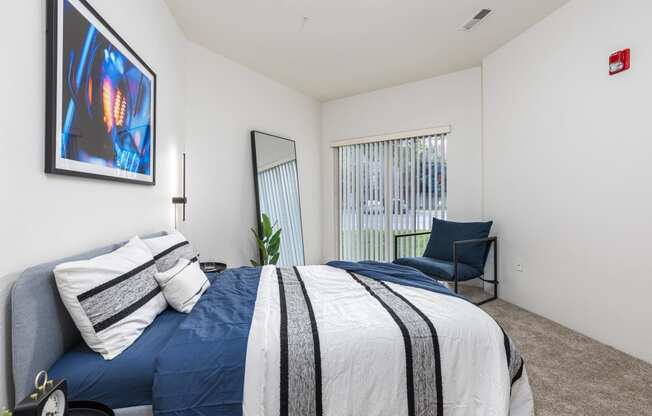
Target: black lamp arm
column 183, row 200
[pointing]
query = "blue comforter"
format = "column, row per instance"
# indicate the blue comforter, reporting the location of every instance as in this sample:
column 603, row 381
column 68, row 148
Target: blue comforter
column 393, row 273
column 201, row 370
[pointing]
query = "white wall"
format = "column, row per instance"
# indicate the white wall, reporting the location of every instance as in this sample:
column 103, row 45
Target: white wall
column 44, row 217
column 224, row 102
column 567, row 167
column 452, row 99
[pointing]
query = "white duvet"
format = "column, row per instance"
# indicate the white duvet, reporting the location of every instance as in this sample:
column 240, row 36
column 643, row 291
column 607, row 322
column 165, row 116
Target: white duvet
column 361, row 355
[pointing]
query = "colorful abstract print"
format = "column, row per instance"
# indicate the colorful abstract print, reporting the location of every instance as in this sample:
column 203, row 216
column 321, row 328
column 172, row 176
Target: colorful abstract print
column 107, row 101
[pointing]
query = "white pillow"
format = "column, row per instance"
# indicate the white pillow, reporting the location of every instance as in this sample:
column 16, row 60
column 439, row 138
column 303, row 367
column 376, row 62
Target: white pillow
column 167, row 250
column 112, row 298
column 183, row 285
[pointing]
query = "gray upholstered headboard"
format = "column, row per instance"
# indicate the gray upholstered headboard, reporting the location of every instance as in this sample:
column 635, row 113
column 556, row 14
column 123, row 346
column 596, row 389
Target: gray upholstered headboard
column 41, row 329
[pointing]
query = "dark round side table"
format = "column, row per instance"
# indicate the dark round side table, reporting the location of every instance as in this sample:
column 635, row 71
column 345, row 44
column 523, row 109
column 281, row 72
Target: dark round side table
column 88, row 408
column 212, row 266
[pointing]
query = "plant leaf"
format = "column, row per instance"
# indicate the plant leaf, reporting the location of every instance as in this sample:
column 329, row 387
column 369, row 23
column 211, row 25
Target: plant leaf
column 275, row 258
column 267, row 226
column 274, row 245
column 261, row 244
column 273, row 251
column 274, row 241
column 254, row 263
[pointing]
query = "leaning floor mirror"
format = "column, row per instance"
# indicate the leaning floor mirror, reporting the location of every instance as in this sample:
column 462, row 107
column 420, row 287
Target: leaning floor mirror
column 277, row 192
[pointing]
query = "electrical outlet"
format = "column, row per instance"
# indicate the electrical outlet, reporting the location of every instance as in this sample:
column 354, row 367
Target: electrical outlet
column 518, row 265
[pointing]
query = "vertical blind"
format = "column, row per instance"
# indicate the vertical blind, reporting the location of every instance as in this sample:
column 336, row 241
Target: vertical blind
column 387, row 188
column 279, row 199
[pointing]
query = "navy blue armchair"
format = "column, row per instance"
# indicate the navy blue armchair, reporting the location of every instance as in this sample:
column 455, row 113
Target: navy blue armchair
column 456, row 252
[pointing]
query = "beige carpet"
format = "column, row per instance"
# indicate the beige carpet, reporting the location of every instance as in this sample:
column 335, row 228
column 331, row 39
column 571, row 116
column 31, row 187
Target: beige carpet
column 572, row 374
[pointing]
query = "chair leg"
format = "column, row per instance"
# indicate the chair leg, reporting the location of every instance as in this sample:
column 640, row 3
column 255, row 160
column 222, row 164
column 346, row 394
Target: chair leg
column 496, row 269
column 494, row 297
column 495, row 281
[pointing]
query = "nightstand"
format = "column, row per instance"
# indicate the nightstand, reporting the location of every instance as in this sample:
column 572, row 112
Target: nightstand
column 212, row 266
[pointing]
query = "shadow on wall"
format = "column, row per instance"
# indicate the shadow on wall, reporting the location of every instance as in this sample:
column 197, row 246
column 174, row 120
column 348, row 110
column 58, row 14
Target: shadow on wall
column 6, row 381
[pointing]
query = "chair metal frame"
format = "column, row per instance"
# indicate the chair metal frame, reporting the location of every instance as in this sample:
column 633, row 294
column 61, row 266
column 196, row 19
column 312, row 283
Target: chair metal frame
column 491, row 240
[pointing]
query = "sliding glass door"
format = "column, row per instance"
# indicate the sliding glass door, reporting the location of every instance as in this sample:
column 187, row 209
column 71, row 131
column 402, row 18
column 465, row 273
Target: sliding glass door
column 387, row 188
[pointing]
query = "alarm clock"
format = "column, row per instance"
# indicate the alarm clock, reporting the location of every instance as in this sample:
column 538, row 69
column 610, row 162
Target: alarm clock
column 50, row 398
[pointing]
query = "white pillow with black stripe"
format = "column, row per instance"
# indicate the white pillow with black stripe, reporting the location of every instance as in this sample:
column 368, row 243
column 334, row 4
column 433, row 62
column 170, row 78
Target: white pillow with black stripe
column 167, row 250
column 183, row 284
column 112, row 298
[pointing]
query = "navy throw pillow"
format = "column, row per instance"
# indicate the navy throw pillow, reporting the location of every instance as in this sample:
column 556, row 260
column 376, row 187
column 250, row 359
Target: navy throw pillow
column 440, row 245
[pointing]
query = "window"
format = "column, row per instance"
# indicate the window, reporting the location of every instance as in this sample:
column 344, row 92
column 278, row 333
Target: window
column 389, row 187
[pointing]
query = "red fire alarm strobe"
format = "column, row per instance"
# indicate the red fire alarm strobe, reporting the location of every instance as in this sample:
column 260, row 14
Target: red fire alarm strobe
column 619, row 62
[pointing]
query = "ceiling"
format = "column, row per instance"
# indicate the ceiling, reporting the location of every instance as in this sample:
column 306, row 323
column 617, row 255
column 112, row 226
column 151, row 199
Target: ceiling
column 346, row 47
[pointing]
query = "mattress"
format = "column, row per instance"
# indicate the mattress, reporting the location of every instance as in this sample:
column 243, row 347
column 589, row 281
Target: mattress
column 125, row 381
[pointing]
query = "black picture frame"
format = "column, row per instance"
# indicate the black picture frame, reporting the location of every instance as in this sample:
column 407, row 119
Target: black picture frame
column 53, row 10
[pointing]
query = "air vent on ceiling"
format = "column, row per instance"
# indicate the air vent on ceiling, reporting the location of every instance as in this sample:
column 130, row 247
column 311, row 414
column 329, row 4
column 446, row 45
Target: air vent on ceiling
column 476, row 19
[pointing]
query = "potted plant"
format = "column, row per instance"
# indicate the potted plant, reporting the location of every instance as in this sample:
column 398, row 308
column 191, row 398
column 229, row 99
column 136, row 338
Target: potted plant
column 269, row 243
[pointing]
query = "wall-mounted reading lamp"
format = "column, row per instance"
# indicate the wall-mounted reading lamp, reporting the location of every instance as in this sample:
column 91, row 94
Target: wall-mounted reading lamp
column 183, row 200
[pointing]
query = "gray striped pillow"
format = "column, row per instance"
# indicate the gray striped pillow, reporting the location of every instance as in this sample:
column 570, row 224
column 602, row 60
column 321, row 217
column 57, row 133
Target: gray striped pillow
column 112, row 298
column 167, row 250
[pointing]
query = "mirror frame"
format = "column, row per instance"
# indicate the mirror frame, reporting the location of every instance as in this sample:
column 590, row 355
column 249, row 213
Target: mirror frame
column 257, row 187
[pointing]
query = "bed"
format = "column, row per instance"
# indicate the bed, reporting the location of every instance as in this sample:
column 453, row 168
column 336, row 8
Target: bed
column 337, row 339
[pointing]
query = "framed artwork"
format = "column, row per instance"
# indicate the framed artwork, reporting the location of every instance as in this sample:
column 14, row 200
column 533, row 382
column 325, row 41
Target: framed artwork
column 101, row 99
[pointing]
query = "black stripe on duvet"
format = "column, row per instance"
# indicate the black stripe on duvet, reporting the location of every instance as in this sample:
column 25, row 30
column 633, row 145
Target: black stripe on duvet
column 423, row 358
column 515, row 360
column 284, row 345
column 435, row 346
column 508, row 352
column 300, row 354
column 316, row 347
column 406, row 341
column 519, row 373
